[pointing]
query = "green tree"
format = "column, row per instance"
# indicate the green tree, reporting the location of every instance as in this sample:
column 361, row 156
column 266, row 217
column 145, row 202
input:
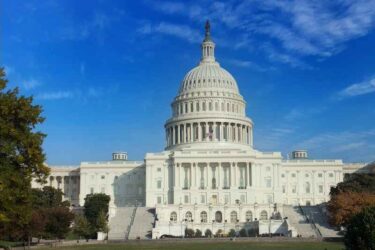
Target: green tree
column 243, row 232
column 82, row 227
column 360, row 234
column 94, row 205
column 48, row 197
column 21, row 159
column 58, row 222
column 102, row 222
column 208, row 233
column 198, row 233
column 232, row 233
column 189, row 233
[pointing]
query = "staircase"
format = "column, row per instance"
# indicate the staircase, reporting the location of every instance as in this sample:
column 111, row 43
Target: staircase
column 143, row 223
column 298, row 221
column 315, row 214
column 118, row 224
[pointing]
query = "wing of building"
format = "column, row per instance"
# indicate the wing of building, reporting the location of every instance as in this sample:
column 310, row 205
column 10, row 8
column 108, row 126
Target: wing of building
column 209, row 175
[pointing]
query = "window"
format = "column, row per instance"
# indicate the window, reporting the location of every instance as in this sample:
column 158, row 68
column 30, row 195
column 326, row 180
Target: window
column 102, row 190
column 159, row 200
column 243, row 198
column 174, row 216
column 294, row 189
column 188, row 216
column 331, row 175
column 249, row 216
column 293, row 175
column 159, row 169
column 91, row 190
column 226, row 198
column 218, row 216
column 116, row 177
column 320, row 188
column 306, row 175
column 268, row 169
column 233, row 217
column 282, row 175
column 203, row 199
column 191, row 107
column 320, row 175
column 159, row 184
column 186, row 199
column 283, row 187
column 263, row 215
column 204, row 217
column 268, row 182
column 307, row 186
column 269, row 199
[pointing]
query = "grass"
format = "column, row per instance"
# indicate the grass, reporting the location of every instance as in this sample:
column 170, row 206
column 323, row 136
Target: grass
column 212, row 245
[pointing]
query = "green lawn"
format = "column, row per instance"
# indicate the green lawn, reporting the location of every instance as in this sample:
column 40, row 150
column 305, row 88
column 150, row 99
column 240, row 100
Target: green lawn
column 157, row 245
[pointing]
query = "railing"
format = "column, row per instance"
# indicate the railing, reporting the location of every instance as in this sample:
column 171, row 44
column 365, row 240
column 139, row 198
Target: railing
column 131, row 222
column 309, row 218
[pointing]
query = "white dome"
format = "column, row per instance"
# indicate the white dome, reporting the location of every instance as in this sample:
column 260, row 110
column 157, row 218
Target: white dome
column 208, row 75
column 209, row 110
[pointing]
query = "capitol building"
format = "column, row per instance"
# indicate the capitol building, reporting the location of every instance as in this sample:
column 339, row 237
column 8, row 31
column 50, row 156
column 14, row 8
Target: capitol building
column 210, row 174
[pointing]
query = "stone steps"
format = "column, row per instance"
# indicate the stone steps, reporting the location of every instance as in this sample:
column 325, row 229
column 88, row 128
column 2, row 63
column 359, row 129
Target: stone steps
column 143, row 223
column 119, row 223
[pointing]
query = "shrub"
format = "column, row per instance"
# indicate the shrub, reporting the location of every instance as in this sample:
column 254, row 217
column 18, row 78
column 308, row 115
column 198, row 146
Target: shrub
column 208, row 233
column 189, row 233
column 232, row 233
column 360, row 234
column 198, row 233
column 219, row 233
column 252, row 232
column 243, row 232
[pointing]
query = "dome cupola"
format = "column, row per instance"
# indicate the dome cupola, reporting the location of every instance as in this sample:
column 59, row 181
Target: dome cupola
column 208, row 107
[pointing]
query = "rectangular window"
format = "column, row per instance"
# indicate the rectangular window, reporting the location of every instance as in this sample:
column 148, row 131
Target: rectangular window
column 103, row 177
column 293, row 175
column 320, row 175
column 294, row 189
column 269, row 199
column 159, row 169
column 268, row 183
column 243, row 198
column 186, row 200
column 91, row 190
column 283, row 189
column 159, row 200
column 226, row 198
column 320, row 188
column 103, row 190
column 203, row 199
column 159, row 184
column 331, row 175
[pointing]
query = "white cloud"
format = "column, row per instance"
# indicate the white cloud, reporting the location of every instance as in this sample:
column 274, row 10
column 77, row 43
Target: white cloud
column 360, row 88
column 57, row 95
column 8, row 70
column 180, row 31
column 31, row 84
column 296, row 28
column 248, row 64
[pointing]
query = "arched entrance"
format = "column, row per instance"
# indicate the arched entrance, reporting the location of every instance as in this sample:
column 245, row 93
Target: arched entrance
column 218, row 216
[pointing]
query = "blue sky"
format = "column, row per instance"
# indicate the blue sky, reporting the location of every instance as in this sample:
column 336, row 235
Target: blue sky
column 106, row 72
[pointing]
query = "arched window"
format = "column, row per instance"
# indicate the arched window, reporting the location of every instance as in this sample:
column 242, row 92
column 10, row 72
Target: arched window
column 249, row 216
column 188, row 216
column 174, row 216
column 218, row 216
column 263, row 215
column 233, row 217
column 204, row 217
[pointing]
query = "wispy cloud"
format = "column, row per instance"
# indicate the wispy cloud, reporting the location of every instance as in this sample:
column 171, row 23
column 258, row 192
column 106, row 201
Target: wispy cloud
column 356, row 89
column 8, row 70
column 359, row 143
column 31, row 84
column 248, row 64
column 296, row 28
column 180, row 31
column 56, row 95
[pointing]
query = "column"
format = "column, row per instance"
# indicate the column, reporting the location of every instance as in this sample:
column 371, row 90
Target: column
column 250, row 174
column 206, row 131
column 207, row 176
column 191, row 132
column 199, row 131
column 219, row 175
column 221, row 134
column 214, row 133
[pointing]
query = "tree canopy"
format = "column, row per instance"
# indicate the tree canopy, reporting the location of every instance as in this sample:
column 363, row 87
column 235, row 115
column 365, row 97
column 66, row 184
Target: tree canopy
column 95, row 205
column 360, row 234
column 21, row 158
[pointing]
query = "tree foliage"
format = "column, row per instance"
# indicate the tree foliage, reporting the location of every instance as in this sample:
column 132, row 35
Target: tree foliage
column 208, row 233
column 344, row 205
column 232, row 233
column 59, row 221
column 82, row 227
column 350, row 197
column 48, row 197
column 102, row 222
column 198, row 233
column 189, row 233
column 360, row 234
column 21, row 159
column 94, row 205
